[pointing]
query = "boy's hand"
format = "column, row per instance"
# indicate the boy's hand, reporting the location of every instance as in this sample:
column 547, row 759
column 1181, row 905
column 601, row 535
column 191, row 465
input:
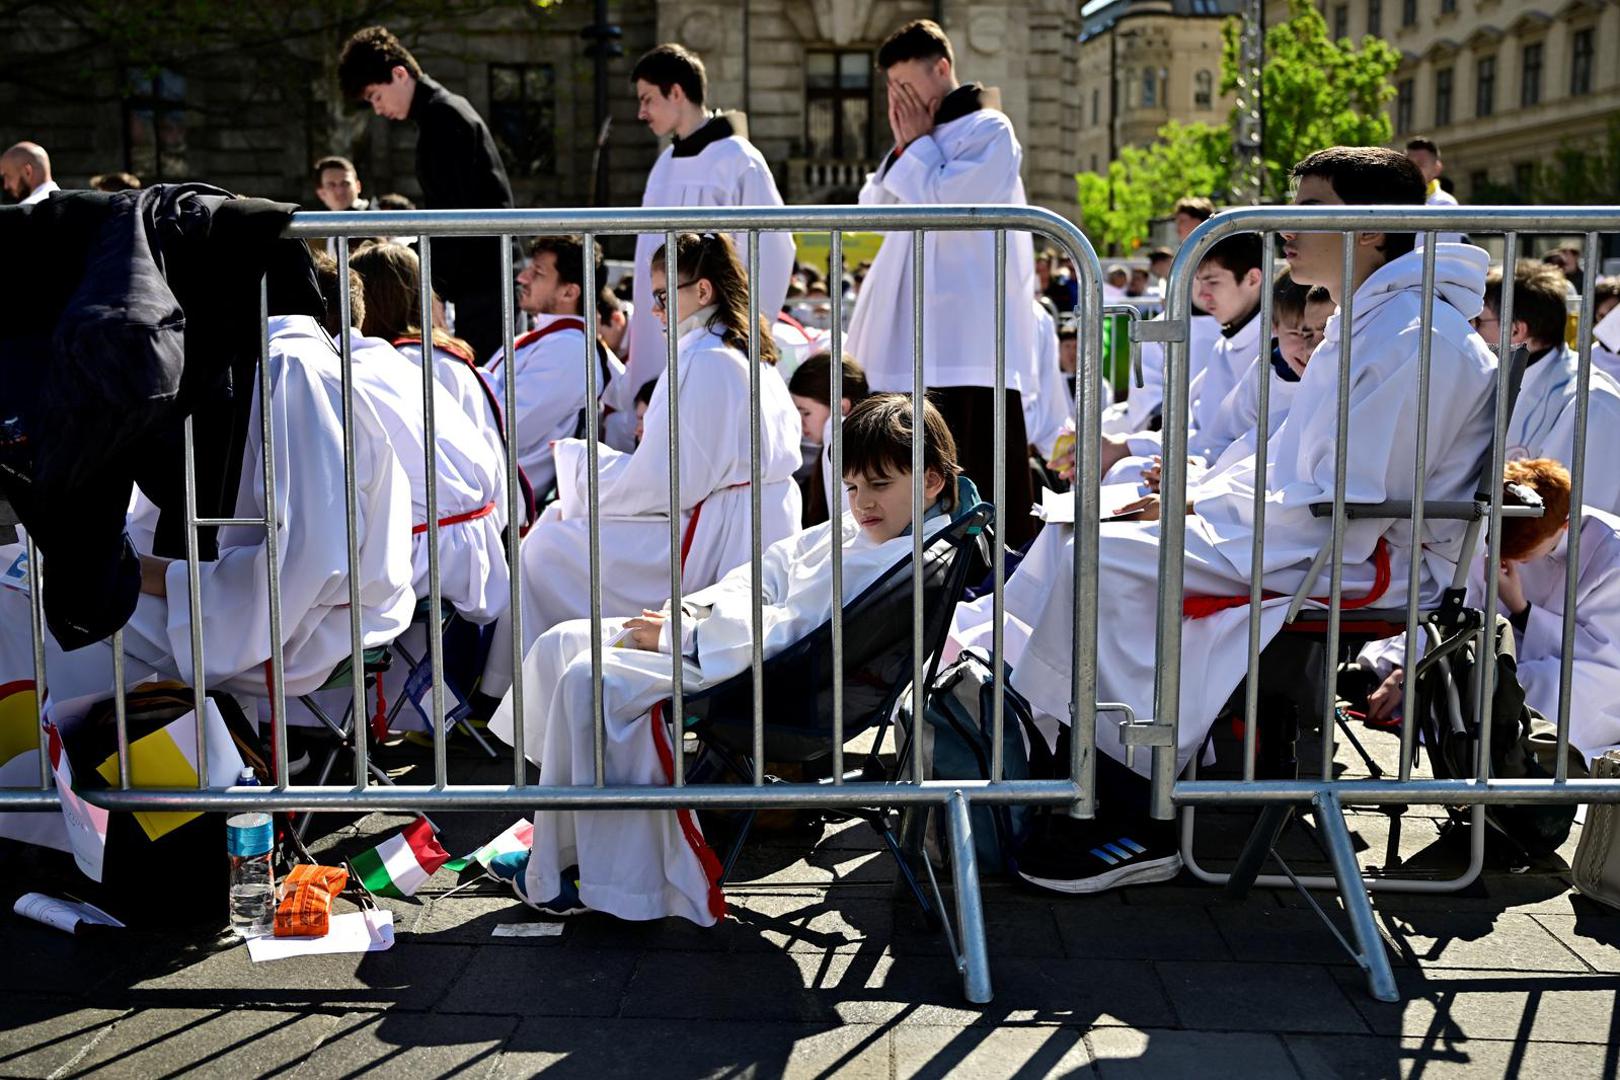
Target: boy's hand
column 1383, row 702
column 1144, row 509
column 1510, row 587
column 1151, row 474
column 1115, row 449
column 909, row 115
column 154, row 575
column 646, row 630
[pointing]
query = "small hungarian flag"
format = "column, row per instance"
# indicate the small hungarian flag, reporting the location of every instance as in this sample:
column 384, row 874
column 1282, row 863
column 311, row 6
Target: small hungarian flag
column 399, row 865
column 520, row 837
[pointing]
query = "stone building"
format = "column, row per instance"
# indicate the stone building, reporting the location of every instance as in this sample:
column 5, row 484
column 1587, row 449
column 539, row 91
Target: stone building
column 254, row 118
column 1503, row 86
column 1142, row 64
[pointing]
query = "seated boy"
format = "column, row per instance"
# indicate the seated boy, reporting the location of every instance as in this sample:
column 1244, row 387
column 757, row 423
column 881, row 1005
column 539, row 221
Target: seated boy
column 646, row 864
column 811, row 389
column 1219, row 527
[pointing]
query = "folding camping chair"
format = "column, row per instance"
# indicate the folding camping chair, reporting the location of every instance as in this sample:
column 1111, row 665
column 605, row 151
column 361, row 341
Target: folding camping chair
column 374, row 661
column 456, row 632
column 878, row 664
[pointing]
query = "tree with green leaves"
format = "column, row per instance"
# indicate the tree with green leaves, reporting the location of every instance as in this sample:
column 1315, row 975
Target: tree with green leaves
column 1143, row 183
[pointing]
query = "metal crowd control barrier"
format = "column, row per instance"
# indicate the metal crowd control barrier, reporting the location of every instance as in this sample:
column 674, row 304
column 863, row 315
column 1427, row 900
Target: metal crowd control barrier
column 955, row 796
column 1325, row 794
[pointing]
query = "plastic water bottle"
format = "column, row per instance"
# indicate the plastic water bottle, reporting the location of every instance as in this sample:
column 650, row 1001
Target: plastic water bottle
column 248, row 840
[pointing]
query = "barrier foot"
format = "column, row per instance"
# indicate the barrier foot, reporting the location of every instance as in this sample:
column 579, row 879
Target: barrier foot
column 974, row 959
column 1372, row 958
column 1273, row 818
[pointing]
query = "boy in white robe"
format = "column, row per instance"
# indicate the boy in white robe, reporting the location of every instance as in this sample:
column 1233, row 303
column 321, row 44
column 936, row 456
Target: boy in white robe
column 952, row 145
column 650, row 864
column 1543, row 421
column 550, row 359
column 1219, row 525
column 1530, row 591
column 709, row 162
column 715, row 528
column 307, row 418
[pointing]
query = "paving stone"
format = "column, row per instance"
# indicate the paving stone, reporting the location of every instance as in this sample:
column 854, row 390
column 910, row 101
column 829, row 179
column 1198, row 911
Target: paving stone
column 708, row 986
column 1258, row 997
column 778, row 866
column 735, row 1050
column 810, row 922
column 989, row 1054
column 1137, row 932
column 408, row 976
column 1483, row 1005
column 206, row 1042
column 1594, row 938
column 1275, row 935
column 1478, row 940
column 39, row 1036
column 469, row 918
column 1354, row 1058
column 1162, row 1054
column 1015, row 930
column 541, row 981
column 397, row 1044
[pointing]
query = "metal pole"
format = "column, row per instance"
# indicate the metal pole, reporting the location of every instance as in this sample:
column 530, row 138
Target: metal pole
column 1341, row 458
column 1420, row 469
column 1257, row 551
column 1486, row 673
column 517, row 512
column 1087, row 529
column 756, row 510
column 592, row 482
column 199, row 677
column 975, row 959
column 357, row 662
column 36, row 621
column 999, row 495
column 919, row 692
column 835, row 509
column 435, row 620
column 120, row 711
column 672, row 376
column 272, row 530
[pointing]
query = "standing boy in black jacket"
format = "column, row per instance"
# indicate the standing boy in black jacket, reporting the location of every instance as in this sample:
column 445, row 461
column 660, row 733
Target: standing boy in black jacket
column 457, row 165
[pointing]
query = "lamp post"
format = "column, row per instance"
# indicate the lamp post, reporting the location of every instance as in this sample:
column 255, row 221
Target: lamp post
column 603, row 44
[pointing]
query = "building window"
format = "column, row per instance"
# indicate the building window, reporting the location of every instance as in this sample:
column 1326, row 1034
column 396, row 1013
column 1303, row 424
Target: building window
column 1478, row 181
column 1485, row 86
column 1096, row 106
column 1530, row 75
column 1150, row 88
column 155, row 125
column 1405, row 100
column 838, row 105
column 1203, row 90
column 1375, row 17
column 1408, row 12
column 523, row 117
column 1093, row 162
column 1580, row 63
column 1448, row 7
column 1341, row 21
column 1524, row 178
column 1442, row 97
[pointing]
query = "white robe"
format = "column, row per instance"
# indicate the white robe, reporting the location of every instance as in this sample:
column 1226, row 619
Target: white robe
column 646, row 864
column 1141, row 402
column 473, row 574
column 307, row 417
column 550, row 392
column 634, row 493
column 727, row 171
column 972, row 159
column 1594, row 713
column 1047, row 408
column 463, row 381
column 1383, row 369
column 1605, row 361
column 1543, row 423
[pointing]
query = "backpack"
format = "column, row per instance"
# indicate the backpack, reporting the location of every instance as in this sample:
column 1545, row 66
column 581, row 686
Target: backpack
column 956, row 746
column 1524, row 833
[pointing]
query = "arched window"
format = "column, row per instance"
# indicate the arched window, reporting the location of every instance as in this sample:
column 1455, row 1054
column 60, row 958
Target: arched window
column 1203, row 90
column 1150, row 88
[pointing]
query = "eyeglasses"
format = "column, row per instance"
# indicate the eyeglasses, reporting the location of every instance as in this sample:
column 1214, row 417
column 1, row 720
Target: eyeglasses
column 660, row 297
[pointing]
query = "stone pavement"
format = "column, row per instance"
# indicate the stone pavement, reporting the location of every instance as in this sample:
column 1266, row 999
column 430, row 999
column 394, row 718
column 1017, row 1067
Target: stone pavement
column 822, row 970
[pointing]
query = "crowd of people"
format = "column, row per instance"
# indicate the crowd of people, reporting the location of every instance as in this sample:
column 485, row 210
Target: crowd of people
column 952, row 145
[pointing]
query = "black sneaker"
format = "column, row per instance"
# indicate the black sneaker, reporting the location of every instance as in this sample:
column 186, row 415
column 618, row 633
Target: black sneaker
column 1079, row 858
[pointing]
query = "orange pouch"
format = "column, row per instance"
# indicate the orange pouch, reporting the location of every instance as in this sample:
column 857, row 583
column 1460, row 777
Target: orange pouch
column 306, row 900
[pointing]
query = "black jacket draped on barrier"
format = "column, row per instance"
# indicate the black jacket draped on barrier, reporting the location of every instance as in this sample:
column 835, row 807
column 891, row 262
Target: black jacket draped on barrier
column 124, row 314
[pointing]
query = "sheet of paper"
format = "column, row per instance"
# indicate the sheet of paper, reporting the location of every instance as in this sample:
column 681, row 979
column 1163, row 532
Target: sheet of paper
column 1607, row 330
column 351, row 932
column 1056, row 509
column 62, row 914
column 528, row 929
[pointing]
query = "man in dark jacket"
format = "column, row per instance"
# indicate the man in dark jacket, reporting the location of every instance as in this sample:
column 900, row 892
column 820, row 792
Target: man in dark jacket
column 457, row 166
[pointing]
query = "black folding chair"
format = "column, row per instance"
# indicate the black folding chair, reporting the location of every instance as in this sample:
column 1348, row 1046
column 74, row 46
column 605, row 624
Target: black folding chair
column 878, row 665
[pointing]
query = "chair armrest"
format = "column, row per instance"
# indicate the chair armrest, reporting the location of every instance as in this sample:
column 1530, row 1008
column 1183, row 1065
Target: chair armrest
column 1433, row 510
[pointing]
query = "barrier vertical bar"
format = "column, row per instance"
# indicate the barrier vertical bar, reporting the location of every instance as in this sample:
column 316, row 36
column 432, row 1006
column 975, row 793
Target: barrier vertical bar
column 999, row 496
column 919, row 692
column 975, row 959
column 1577, row 487
column 835, row 508
column 199, row 680
column 1088, row 384
column 1257, row 551
column 435, row 621
column 755, row 512
column 672, row 375
column 516, row 514
column 1420, row 469
column 593, row 408
column 1486, row 673
column 1341, row 459
column 357, row 662
column 36, row 627
column 120, row 710
column 1172, row 541
column 272, row 533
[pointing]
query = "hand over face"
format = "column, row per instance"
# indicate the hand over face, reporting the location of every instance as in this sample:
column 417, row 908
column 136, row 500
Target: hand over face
column 909, row 115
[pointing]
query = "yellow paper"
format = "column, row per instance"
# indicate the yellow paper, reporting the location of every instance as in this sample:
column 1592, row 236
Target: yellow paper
column 156, row 762
column 19, row 720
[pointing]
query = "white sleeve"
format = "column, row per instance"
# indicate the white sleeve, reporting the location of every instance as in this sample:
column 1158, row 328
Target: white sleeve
column 985, row 172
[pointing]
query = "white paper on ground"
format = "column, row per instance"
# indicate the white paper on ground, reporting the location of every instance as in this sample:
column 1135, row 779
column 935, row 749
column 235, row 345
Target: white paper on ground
column 62, row 914
column 352, row 932
column 528, row 929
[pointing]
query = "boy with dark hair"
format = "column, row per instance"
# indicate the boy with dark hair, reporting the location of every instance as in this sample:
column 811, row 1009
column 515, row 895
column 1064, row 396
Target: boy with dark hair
column 337, row 185
column 1191, row 211
column 1219, row 526
column 1543, row 421
column 709, row 162
column 952, row 145
column 457, row 165
column 649, row 864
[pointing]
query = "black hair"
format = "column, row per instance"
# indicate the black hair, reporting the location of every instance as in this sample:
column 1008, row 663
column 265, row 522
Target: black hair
column 877, row 441
column 1368, row 176
column 369, row 57
column 671, row 65
column 920, row 39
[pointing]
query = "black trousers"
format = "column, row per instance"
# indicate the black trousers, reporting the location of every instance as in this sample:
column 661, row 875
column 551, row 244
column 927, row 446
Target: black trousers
column 969, row 411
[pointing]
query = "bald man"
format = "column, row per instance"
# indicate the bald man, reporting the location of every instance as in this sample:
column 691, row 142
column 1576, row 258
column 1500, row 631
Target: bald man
column 25, row 170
